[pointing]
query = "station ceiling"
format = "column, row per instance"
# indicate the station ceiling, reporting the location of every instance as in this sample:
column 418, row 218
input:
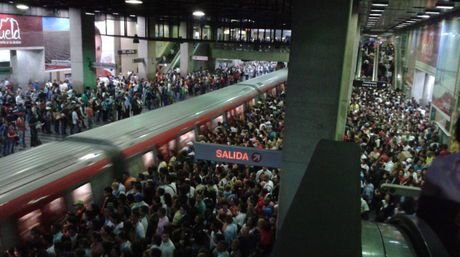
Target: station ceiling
column 263, row 13
column 260, row 11
column 398, row 12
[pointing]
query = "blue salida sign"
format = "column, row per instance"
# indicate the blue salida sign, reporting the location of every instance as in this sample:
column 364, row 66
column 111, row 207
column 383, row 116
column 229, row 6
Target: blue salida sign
column 238, row 154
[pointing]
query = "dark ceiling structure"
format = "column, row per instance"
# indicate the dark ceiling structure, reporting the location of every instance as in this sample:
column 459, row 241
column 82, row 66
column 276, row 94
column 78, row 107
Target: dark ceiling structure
column 403, row 14
column 376, row 16
column 271, row 13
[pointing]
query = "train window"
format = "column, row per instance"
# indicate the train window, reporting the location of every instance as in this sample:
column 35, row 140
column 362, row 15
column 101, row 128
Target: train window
column 240, row 109
column 53, row 211
column 83, row 193
column 165, row 150
column 185, row 138
column 217, row 120
column 203, row 129
column 27, row 222
column 148, row 159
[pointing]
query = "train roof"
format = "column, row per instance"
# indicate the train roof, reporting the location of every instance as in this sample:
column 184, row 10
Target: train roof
column 26, row 171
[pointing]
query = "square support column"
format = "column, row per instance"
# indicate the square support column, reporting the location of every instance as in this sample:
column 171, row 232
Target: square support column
column 146, row 50
column 82, row 49
column 322, row 61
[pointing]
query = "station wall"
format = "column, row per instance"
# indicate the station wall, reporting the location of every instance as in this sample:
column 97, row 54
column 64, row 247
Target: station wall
column 435, row 50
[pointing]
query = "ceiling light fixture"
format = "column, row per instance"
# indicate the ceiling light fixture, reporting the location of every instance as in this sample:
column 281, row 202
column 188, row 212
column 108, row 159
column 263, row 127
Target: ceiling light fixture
column 375, row 14
column 380, row 3
column 22, row 6
column 423, row 16
column 89, row 13
column 432, row 12
column 134, row 2
column 115, row 13
column 445, row 6
column 132, row 15
column 198, row 13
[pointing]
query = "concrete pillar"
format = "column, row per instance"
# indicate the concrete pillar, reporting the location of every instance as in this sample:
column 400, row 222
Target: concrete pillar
column 82, row 49
column 322, row 61
column 146, row 50
column 185, row 63
column 117, row 45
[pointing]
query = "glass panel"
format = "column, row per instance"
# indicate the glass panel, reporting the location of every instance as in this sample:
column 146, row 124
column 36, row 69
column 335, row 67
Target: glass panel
column 149, row 160
column 185, row 138
column 53, row 211
column 217, row 120
column 165, row 150
column 27, row 222
column 83, row 194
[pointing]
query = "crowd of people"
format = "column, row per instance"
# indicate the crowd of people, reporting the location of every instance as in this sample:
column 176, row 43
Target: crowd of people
column 181, row 206
column 386, row 63
column 56, row 108
column 367, row 58
column 399, row 142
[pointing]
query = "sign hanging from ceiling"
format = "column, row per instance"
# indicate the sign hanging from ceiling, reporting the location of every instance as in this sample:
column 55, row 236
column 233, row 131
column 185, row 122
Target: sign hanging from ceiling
column 237, row 154
column 20, row 31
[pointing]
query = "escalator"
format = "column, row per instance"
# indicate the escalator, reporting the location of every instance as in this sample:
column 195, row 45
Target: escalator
column 404, row 236
column 326, row 221
column 175, row 60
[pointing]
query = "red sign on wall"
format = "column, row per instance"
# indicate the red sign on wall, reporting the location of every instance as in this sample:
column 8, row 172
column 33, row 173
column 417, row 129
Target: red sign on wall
column 20, row 31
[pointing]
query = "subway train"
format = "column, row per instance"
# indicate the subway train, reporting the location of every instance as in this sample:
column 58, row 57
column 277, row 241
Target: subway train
column 38, row 186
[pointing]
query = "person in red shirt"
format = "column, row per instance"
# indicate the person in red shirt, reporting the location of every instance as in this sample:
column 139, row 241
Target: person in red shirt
column 21, row 127
column 11, row 138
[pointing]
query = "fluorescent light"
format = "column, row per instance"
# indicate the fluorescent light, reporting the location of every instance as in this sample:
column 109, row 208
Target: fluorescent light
column 375, row 14
column 380, row 4
column 115, row 13
column 446, row 6
column 89, row 13
column 132, row 15
column 22, row 6
column 133, row 1
column 424, row 16
column 97, row 11
column 198, row 13
column 377, row 10
column 435, row 12
column 410, row 21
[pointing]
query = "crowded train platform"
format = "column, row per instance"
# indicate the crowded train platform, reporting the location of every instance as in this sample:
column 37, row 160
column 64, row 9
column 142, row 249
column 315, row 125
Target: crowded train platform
column 182, row 206
column 53, row 110
column 132, row 128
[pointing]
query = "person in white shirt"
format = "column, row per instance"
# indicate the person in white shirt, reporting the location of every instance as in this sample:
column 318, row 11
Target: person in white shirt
column 264, row 170
column 75, row 122
column 139, row 228
column 167, row 246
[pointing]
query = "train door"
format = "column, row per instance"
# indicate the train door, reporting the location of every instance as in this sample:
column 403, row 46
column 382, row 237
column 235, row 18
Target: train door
column 215, row 121
column 205, row 128
column 27, row 222
column 184, row 139
column 53, row 211
column 165, row 151
column 142, row 162
column 84, row 193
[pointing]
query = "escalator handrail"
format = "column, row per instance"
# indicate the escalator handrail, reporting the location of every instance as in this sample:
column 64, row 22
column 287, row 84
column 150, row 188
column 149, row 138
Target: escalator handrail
column 426, row 243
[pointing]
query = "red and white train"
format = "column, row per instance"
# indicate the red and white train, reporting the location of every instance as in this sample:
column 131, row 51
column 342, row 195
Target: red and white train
column 38, row 186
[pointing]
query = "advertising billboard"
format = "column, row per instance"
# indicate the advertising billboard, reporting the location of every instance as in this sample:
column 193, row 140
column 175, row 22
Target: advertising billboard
column 20, row 31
